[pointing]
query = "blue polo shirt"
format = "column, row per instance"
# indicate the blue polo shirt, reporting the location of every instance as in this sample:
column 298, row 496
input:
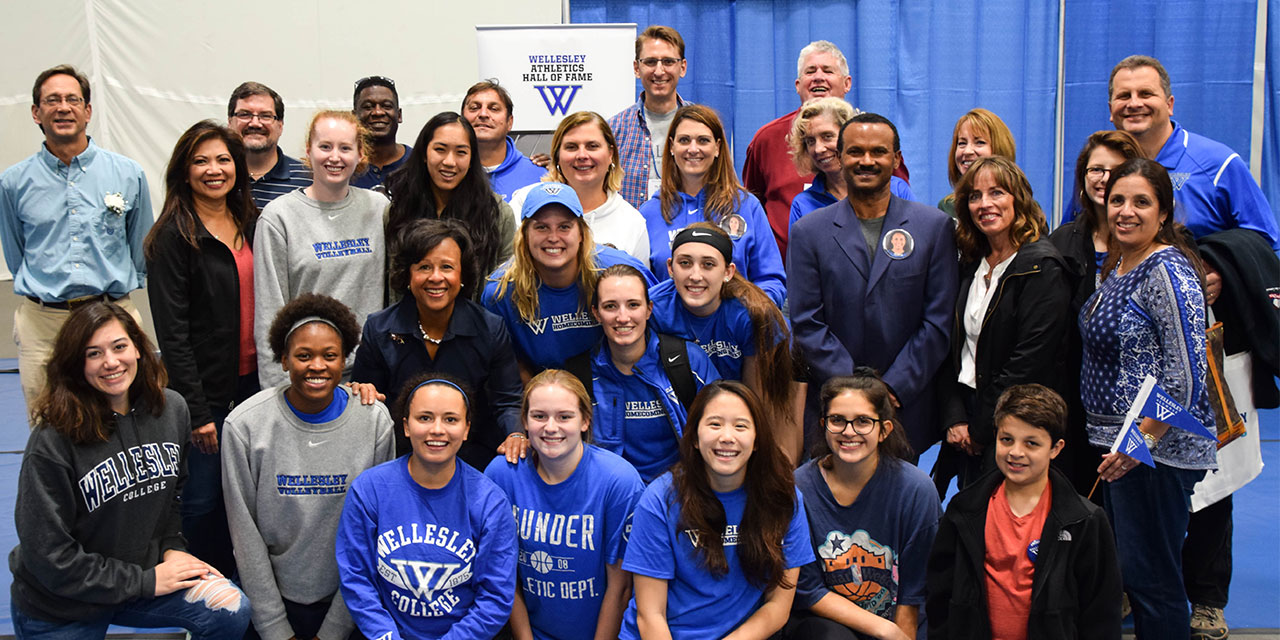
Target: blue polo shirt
column 375, row 176
column 1213, row 188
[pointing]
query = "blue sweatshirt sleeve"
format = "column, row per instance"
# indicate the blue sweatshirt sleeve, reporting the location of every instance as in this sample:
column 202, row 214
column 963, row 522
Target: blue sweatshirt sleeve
column 495, row 570
column 764, row 261
column 355, row 548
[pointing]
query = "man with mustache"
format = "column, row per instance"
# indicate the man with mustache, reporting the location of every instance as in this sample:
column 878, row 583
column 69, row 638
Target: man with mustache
column 1214, row 192
column 377, row 104
column 641, row 129
column 768, row 172
column 487, row 106
column 256, row 112
column 72, row 220
column 854, row 302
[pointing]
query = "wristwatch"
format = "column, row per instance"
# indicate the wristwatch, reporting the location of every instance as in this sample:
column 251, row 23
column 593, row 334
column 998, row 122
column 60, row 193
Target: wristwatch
column 1150, row 439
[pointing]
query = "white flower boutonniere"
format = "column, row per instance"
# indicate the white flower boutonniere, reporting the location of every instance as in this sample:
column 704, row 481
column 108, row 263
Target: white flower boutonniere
column 115, row 203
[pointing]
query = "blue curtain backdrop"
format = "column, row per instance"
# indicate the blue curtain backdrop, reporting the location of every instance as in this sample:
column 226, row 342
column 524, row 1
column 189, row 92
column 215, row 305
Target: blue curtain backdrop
column 923, row 64
column 1206, row 46
column 919, row 63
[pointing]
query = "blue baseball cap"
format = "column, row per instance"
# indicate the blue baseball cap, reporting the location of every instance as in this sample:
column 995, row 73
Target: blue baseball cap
column 545, row 193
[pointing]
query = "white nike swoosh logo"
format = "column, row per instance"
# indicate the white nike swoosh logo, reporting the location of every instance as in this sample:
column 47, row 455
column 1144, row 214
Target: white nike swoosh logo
column 334, row 216
column 700, row 234
column 315, row 444
column 673, row 358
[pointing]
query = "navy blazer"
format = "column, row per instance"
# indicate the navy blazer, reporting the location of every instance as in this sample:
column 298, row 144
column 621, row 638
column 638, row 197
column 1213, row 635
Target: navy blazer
column 476, row 348
column 852, row 309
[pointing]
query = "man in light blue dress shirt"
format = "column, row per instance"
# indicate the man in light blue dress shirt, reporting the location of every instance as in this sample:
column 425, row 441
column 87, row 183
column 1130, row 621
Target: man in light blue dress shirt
column 72, row 220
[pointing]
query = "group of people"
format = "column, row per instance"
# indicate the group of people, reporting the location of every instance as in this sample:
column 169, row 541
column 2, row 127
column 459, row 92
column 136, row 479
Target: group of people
column 440, row 390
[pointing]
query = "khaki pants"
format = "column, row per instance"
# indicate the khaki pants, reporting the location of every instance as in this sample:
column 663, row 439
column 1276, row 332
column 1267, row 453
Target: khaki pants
column 35, row 328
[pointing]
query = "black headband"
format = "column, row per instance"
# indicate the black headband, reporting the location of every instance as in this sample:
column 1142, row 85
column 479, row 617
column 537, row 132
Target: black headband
column 717, row 241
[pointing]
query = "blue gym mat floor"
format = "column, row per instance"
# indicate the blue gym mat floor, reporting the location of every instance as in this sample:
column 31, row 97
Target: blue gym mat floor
column 1255, row 585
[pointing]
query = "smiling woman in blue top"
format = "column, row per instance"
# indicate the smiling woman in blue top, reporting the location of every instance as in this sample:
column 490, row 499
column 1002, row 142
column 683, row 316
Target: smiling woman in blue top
column 427, row 546
column 639, row 415
column 543, row 293
column 717, row 544
column 587, row 495
column 708, row 302
column 699, row 185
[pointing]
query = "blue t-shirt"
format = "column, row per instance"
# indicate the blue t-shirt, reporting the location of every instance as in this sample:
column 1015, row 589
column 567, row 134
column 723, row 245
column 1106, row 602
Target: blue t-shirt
column 699, row 605
column 327, row 414
column 875, row 551
column 426, row 563
column 568, row 534
column 755, row 251
column 726, row 336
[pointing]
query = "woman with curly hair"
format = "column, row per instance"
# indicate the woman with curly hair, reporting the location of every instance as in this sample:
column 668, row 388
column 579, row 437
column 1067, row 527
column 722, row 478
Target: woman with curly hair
column 814, row 140
column 444, row 179
column 716, row 544
column 325, row 238
column 98, row 511
column 289, row 455
column 1012, row 315
column 699, row 185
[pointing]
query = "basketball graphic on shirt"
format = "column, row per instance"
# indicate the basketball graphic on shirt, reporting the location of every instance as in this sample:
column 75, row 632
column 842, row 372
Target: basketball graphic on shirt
column 540, row 561
column 860, row 569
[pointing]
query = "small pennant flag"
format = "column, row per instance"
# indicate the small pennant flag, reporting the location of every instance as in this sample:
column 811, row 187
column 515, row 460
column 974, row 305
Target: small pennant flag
column 1131, row 443
column 1161, row 406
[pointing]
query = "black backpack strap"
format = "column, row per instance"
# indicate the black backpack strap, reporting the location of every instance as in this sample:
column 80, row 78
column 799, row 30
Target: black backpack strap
column 580, row 366
column 674, row 352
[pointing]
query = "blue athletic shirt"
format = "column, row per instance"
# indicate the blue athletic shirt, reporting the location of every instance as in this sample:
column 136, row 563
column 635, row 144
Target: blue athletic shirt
column 639, row 416
column 327, row 414
column 564, row 326
column 426, row 563
column 726, row 336
column 755, row 252
column 568, row 534
column 699, row 605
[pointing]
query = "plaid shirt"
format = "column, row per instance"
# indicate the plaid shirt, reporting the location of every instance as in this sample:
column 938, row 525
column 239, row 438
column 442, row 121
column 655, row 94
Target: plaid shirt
column 634, row 149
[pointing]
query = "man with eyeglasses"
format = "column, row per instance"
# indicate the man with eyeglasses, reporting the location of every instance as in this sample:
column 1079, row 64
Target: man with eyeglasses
column 767, row 171
column 641, row 129
column 72, row 221
column 256, row 112
column 857, row 300
column 377, row 104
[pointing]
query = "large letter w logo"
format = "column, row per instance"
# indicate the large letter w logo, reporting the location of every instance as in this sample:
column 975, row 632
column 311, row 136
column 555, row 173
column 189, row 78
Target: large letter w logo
column 557, row 101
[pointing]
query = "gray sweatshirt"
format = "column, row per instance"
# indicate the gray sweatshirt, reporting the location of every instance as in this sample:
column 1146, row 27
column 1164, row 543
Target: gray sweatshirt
column 307, row 246
column 284, row 482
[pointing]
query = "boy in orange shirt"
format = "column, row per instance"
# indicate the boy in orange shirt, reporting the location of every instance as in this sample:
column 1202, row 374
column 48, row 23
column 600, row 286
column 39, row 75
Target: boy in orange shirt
column 1019, row 554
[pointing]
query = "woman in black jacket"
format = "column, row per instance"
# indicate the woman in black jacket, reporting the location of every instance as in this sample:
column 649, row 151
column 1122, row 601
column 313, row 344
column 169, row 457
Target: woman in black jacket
column 1011, row 317
column 200, row 262
column 1083, row 244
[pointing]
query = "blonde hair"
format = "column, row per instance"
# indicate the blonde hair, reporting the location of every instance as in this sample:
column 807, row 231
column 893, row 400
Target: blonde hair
column 612, row 180
column 835, row 108
column 362, row 137
column 523, row 279
column 564, row 380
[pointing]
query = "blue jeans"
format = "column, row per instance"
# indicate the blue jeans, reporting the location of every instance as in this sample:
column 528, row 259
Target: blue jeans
column 1149, row 509
column 204, row 518
column 171, row 610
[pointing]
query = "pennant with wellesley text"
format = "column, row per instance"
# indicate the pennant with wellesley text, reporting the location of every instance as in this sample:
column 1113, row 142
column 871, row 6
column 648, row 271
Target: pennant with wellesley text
column 1161, row 406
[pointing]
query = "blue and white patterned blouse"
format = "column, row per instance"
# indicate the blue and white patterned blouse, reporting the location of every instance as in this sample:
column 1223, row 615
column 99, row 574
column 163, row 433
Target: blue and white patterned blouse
column 1149, row 321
